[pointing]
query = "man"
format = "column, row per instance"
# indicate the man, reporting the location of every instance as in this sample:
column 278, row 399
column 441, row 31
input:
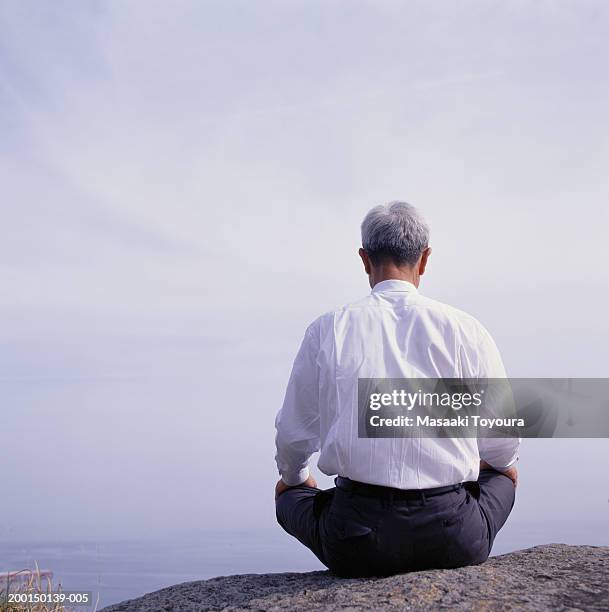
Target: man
column 400, row 504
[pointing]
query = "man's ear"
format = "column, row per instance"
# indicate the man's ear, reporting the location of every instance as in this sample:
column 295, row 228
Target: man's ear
column 365, row 260
column 424, row 258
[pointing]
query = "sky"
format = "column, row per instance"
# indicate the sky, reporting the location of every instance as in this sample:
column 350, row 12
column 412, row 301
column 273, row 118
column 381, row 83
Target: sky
column 181, row 188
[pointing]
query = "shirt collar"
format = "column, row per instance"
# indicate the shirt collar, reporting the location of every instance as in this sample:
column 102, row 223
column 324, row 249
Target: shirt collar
column 393, row 284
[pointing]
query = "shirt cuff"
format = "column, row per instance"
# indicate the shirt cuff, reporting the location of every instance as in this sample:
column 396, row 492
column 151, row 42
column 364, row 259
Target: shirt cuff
column 293, row 479
column 506, row 467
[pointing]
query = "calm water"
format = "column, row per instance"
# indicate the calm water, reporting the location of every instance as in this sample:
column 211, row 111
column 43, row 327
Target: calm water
column 123, row 570
column 126, row 569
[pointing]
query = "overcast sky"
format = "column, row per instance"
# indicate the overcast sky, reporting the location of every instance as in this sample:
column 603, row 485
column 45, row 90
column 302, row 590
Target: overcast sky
column 182, row 186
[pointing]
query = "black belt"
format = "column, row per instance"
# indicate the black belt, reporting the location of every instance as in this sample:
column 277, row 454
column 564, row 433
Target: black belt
column 371, row 490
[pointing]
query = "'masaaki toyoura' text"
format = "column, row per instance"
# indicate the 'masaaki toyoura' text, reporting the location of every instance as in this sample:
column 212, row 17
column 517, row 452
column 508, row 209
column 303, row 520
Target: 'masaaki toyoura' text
column 473, row 420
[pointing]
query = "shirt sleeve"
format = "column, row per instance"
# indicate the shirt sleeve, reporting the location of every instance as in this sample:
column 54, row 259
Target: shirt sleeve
column 499, row 453
column 297, row 422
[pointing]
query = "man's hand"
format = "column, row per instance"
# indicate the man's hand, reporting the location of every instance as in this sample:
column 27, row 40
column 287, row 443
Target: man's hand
column 511, row 473
column 282, row 487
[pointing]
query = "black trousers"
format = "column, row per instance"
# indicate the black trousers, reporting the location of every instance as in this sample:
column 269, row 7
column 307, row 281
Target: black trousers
column 355, row 533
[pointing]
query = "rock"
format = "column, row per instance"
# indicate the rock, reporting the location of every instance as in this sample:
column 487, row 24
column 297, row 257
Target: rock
column 553, row 576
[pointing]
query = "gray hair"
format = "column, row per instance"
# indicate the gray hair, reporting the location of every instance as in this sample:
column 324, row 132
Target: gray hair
column 394, row 231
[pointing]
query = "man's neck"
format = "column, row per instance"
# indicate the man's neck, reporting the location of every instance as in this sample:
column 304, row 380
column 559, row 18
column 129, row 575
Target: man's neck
column 389, row 271
column 392, row 272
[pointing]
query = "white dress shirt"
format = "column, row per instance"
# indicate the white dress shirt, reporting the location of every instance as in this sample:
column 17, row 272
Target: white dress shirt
column 394, row 332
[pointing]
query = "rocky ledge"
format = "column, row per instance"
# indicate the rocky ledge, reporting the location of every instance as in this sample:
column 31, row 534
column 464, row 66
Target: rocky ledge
column 550, row 577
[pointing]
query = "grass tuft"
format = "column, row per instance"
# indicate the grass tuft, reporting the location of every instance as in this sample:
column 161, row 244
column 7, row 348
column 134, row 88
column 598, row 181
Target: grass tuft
column 30, row 583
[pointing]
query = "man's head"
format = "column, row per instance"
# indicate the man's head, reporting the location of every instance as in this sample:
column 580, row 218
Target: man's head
column 395, row 243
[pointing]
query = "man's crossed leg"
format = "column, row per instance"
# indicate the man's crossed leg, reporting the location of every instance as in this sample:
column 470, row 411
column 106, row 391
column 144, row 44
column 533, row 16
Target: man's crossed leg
column 303, row 511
